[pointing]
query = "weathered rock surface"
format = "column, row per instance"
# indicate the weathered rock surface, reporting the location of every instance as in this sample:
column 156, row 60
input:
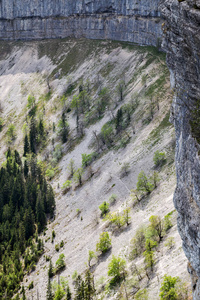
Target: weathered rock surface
column 182, row 44
column 125, row 20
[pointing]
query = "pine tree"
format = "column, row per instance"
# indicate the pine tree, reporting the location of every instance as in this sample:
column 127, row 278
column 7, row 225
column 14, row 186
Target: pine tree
column 41, row 128
column 40, row 215
column 69, row 294
column 29, row 223
column 26, row 145
column 89, row 286
column 23, row 293
column 26, row 169
column 49, row 291
column 64, row 128
column 50, row 271
column 33, row 135
column 50, row 201
column 79, row 288
column 17, row 158
column 119, row 119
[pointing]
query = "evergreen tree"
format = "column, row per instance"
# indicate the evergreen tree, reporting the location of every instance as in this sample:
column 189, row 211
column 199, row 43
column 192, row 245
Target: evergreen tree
column 89, row 286
column 49, row 291
column 50, row 201
column 23, row 293
column 26, row 169
column 26, row 145
column 41, row 128
column 79, row 288
column 64, row 128
column 29, row 223
column 33, row 135
column 17, row 158
column 119, row 120
column 68, row 294
column 40, row 214
column 50, row 271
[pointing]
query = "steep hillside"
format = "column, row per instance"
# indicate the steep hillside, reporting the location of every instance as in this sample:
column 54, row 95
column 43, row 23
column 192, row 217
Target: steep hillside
column 116, row 99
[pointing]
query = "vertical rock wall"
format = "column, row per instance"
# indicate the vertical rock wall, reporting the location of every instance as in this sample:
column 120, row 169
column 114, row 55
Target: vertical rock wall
column 182, row 44
column 126, row 20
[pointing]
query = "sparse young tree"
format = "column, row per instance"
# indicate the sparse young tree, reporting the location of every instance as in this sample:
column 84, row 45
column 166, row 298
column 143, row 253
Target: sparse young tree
column 78, row 176
column 116, row 267
column 107, row 134
column 11, row 132
column 63, row 128
column 142, row 294
column 104, row 208
column 60, row 263
column 138, row 243
column 121, row 89
column 119, row 120
column 91, row 255
column 144, row 183
column 149, row 254
column 104, row 243
column 156, row 227
column 126, row 215
column 50, row 271
column 168, row 288
column 71, row 167
column 155, row 179
column 125, row 169
column 159, row 158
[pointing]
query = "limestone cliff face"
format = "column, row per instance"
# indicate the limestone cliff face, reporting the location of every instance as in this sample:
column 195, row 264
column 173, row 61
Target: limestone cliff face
column 126, row 20
column 182, row 44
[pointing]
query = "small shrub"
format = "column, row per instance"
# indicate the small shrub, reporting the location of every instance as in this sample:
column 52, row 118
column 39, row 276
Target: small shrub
column 87, row 159
column 66, row 186
column 104, row 243
column 167, row 222
column 91, row 255
column 169, row 243
column 138, row 243
column 50, row 173
column 116, row 219
column 47, row 258
column 78, row 211
column 53, row 236
column 61, row 244
column 78, row 176
column 143, row 183
column 60, row 263
column 168, row 288
column 104, row 208
column 31, row 285
column 74, row 275
column 11, row 132
column 1, row 124
column 112, row 199
column 141, row 295
column 125, row 169
column 57, row 247
column 116, row 268
column 159, row 158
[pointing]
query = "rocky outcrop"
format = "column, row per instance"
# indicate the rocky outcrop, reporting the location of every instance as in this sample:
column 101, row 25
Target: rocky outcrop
column 182, row 44
column 136, row 21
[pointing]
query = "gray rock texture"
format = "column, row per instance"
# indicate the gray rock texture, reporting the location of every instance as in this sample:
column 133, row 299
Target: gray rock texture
column 182, row 44
column 125, row 20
